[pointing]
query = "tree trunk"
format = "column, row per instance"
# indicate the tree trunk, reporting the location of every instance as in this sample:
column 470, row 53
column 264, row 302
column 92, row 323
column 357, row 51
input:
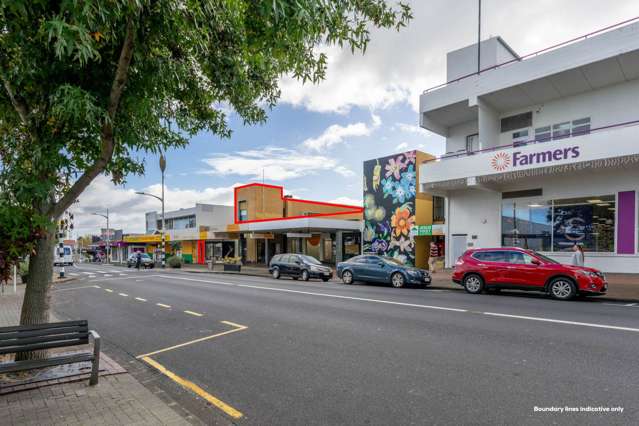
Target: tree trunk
column 37, row 296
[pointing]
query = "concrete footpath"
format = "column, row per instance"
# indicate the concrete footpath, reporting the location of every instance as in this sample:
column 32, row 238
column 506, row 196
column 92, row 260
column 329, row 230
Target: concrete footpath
column 118, row 399
column 622, row 287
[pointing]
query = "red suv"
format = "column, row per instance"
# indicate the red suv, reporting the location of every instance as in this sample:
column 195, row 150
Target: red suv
column 515, row 268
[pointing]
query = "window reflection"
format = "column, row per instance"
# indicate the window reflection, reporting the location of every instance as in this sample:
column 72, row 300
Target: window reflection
column 527, row 225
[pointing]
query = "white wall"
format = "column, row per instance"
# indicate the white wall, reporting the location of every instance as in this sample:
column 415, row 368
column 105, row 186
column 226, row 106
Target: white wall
column 216, row 217
column 463, row 61
column 475, row 212
column 606, row 106
column 456, row 139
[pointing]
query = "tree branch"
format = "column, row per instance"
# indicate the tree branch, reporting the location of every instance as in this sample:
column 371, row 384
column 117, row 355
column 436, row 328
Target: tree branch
column 18, row 104
column 107, row 143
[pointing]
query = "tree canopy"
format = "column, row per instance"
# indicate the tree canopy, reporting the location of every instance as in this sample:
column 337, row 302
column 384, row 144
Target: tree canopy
column 89, row 86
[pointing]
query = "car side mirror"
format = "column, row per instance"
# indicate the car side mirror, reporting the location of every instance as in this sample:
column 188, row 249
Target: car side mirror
column 297, row 262
column 382, row 264
column 536, row 262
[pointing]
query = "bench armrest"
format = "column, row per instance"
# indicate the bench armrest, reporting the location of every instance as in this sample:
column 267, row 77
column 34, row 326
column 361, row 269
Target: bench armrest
column 95, row 365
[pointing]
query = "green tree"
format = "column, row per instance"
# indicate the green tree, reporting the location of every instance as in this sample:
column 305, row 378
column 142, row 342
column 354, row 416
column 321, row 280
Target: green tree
column 89, row 86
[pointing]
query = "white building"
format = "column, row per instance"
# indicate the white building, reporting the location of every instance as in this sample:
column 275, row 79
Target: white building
column 542, row 151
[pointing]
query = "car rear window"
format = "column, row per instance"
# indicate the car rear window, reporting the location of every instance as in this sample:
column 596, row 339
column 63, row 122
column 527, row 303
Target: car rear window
column 491, row 256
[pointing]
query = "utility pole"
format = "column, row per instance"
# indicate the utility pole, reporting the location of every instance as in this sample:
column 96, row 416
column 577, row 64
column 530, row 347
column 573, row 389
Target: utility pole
column 108, row 232
column 479, row 38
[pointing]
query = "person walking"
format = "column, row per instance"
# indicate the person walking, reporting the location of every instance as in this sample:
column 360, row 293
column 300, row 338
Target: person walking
column 577, row 255
column 138, row 261
column 432, row 259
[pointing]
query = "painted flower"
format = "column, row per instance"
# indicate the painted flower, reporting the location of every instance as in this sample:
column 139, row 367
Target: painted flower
column 411, row 156
column 404, row 244
column 369, row 233
column 402, row 222
column 384, row 228
column 379, row 246
column 394, row 167
column 402, row 192
column 409, row 175
column 388, row 187
column 369, row 201
column 400, row 257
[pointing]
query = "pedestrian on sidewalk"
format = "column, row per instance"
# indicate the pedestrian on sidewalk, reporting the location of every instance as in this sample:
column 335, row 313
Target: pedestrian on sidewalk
column 577, row 255
column 432, row 259
column 138, row 261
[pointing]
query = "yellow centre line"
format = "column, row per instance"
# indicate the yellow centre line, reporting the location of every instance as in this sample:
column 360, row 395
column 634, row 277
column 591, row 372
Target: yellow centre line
column 193, row 313
column 189, row 385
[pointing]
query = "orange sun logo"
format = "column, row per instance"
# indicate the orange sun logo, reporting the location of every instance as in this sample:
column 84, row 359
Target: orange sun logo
column 500, row 162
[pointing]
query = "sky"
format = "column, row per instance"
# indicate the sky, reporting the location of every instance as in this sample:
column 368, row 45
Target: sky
column 318, row 136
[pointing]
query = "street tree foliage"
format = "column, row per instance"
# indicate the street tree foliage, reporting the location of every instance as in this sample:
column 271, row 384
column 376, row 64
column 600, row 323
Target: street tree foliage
column 90, row 86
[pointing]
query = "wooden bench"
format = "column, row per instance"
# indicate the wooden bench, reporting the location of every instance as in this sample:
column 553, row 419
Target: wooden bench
column 28, row 338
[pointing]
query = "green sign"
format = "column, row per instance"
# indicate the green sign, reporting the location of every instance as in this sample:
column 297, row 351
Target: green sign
column 422, row 230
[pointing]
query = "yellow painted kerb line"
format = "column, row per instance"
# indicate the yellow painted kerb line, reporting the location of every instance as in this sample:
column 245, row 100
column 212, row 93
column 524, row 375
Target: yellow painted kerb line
column 187, row 384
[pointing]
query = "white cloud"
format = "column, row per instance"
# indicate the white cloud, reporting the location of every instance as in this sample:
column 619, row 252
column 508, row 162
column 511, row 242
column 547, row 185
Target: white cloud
column 412, row 128
column 336, row 134
column 401, row 146
column 276, row 164
column 347, row 200
column 127, row 209
column 398, row 66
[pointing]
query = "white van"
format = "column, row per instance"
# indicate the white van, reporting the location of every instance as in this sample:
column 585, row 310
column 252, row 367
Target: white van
column 65, row 259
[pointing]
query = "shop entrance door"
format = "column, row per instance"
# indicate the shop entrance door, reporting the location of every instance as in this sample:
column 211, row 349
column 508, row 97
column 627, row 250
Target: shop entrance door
column 458, row 245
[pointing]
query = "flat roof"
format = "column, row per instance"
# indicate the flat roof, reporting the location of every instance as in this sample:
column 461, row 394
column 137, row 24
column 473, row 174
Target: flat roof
column 306, row 223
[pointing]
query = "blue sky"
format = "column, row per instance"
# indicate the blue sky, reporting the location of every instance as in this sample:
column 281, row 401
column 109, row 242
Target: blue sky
column 317, row 138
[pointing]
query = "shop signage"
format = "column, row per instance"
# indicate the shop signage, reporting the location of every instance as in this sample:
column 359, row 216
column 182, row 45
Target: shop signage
column 428, row 230
column 590, row 150
column 298, row 235
column 260, row 236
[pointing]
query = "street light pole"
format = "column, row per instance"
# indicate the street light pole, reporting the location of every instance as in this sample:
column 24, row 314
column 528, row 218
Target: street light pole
column 108, row 236
column 161, row 199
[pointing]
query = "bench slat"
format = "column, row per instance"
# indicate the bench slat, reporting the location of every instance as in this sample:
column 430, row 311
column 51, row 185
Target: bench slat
column 37, row 333
column 43, row 326
column 10, row 367
column 19, row 341
column 38, row 346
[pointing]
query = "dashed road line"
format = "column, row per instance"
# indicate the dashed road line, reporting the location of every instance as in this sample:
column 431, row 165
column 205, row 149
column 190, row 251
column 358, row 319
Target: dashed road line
column 583, row 324
column 123, row 294
column 108, row 275
column 162, row 305
column 109, row 290
column 197, row 314
column 140, row 299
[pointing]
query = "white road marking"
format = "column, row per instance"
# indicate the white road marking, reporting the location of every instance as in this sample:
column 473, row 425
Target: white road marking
column 108, row 275
column 76, row 288
column 140, row 299
column 202, row 281
column 363, row 299
column 91, row 276
column 631, row 304
column 583, row 324
column 100, row 272
column 193, row 313
column 163, row 305
column 122, row 275
column 123, row 294
column 73, row 274
column 109, row 290
column 88, row 273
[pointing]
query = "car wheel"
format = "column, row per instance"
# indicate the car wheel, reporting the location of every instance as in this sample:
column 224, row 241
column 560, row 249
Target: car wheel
column 305, row 275
column 295, row 278
column 325, row 279
column 398, row 280
column 276, row 273
column 562, row 289
column 473, row 283
column 128, row 265
column 347, row 277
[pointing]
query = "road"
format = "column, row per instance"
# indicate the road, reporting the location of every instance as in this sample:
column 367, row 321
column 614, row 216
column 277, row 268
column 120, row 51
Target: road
column 306, row 353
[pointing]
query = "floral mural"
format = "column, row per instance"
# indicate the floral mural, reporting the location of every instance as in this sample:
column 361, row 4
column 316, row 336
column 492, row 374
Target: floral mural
column 389, row 206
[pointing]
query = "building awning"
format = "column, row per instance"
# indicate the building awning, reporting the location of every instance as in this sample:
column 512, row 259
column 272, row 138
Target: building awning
column 308, row 224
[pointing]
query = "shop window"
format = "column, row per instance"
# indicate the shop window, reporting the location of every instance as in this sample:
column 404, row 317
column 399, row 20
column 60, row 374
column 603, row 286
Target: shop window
column 242, row 211
column 514, row 122
column 520, row 137
column 542, row 134
column 438, row 209
column 526, row 224
column 581, row 126
column 561, row 130
column 472, row 143
column 588, row 221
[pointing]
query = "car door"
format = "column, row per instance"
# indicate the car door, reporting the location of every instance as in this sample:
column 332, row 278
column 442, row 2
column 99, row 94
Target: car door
column 523, row 271
column 282, row 264
column 491, row 265
column 294, row 265
column 377, row 270
column 359, row 267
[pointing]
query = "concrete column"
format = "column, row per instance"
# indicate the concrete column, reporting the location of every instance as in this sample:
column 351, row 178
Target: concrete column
column 266, row 251
column 321, row 252
column 339, row 255
column 303, row 243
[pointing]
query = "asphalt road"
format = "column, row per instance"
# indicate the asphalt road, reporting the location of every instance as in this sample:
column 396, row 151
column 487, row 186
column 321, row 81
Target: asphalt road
column 325, row 353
